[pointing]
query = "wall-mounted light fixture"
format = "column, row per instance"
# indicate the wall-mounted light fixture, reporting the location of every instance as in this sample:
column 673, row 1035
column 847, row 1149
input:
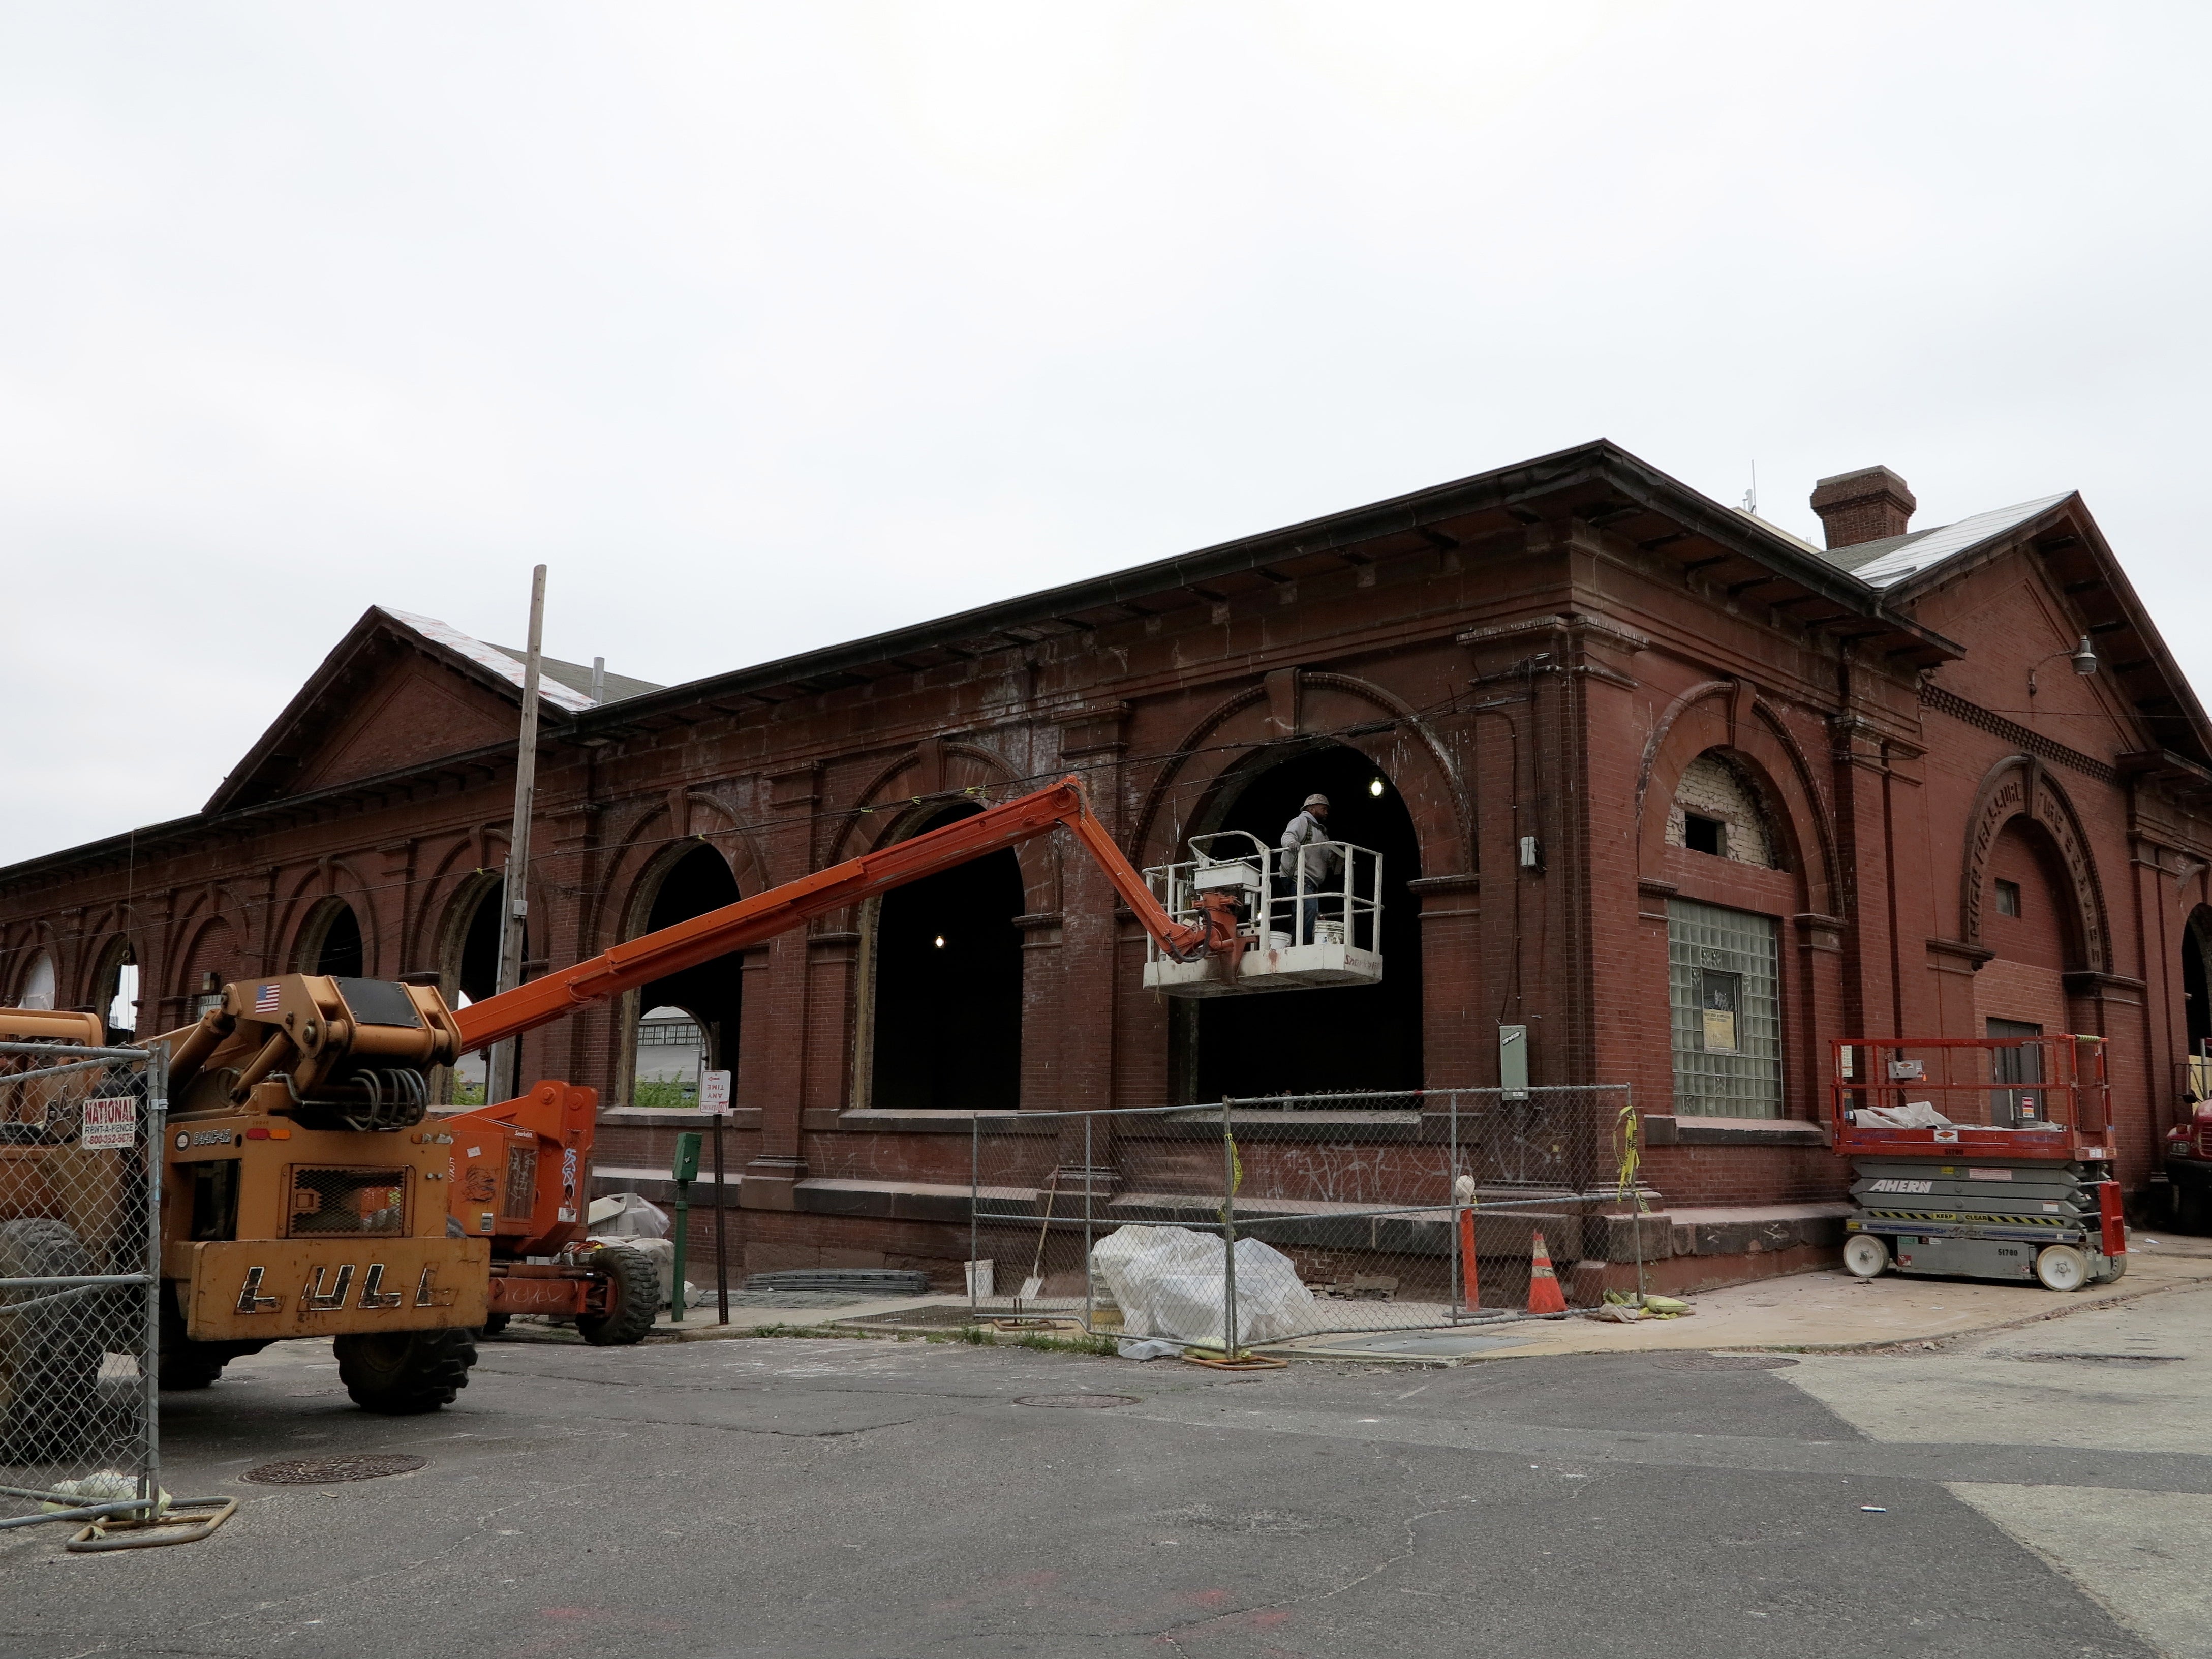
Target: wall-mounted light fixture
column 2082, row 656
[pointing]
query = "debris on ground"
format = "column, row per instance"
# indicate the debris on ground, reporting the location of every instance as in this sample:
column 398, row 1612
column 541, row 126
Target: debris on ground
column 1148, row 1348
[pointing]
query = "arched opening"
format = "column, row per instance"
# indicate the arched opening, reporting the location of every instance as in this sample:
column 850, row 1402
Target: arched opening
column 38, row 990
column 115, row 992
column 331, row 942
column 706, row 997
column 947, row 972
column 475, row 975
column 209, row 965
column 2196, row 1005
column 1724, row 960
column 473, row 968
column 1313, row 1042
column 2028, row 920
column 1720, row 810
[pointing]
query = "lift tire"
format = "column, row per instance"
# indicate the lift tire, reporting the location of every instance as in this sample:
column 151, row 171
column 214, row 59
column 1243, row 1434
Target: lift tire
column 632, row 1298
column 2062, row 1267
column 1865, row 1256
column 184, row 1362
column 49, row 1354
column 495, row 1323
column 2116, row 1268
column 2189, row 1208
column 188, row 1365
column 400, row 1373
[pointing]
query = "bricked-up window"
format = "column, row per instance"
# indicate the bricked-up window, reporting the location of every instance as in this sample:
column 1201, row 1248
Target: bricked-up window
column 1717, row 809
column 1724, row 986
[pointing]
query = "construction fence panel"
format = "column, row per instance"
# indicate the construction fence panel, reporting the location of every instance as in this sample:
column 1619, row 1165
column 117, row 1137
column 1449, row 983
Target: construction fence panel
column 80, row 1134
column 1303, row 1214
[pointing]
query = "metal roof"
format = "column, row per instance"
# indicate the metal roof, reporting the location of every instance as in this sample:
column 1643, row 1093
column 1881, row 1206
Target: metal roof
column 1890, row 561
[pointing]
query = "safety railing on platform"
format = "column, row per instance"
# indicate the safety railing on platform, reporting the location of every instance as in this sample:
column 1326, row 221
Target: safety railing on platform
column 81, row 1133
column 1301, row 1215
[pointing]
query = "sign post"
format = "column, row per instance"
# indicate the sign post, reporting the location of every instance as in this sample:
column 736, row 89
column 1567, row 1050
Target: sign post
column 715, row 1100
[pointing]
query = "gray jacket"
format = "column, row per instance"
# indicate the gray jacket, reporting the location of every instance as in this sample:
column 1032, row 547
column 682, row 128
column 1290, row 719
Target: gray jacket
column 1320, row 863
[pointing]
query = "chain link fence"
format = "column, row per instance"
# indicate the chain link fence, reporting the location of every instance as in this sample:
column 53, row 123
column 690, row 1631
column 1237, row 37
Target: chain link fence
column 81, row 1133
column 1298, row 1215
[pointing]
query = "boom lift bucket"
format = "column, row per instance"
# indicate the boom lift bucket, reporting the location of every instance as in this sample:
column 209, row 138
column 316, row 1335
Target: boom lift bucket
column 1295, row 931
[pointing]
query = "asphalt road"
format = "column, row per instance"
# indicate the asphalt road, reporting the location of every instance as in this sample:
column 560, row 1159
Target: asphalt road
column 878, row 1500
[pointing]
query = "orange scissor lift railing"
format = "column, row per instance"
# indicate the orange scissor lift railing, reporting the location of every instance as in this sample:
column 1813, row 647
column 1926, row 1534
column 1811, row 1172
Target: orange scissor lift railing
column 2036, row 1099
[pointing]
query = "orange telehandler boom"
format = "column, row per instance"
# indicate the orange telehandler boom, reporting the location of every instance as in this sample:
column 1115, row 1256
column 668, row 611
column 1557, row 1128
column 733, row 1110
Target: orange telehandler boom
column 747, row 922
column 307, row 1191
column 521, row 1167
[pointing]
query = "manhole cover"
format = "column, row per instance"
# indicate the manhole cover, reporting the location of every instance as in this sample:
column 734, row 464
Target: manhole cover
column 1725, row 1362
column 325, row 1471
column 1079, row 1402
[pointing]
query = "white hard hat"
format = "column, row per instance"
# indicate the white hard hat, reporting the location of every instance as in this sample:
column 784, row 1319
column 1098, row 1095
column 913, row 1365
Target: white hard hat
column 1315, row 800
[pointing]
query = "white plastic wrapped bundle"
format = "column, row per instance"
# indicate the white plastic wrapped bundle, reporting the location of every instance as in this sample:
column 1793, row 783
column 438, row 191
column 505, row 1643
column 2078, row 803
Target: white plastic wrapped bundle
column 1168, row 1281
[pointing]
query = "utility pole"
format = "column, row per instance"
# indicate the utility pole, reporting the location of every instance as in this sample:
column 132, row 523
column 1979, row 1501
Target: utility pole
column 500, row 1081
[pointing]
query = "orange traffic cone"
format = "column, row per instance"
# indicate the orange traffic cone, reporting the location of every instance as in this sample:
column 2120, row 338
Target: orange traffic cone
column 1544, row 1294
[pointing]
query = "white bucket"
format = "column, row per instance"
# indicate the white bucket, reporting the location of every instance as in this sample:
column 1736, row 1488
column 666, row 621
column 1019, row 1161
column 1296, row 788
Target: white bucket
column 982, row 1277
column 1328, row 933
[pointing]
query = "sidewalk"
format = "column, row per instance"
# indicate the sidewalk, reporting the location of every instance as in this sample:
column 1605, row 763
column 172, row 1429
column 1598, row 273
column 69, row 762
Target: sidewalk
column 1823, row 1312
column 1827, row 1311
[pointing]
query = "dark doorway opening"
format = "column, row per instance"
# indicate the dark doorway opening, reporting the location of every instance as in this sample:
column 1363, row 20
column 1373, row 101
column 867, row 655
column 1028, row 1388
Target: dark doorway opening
column 340, row 953
column 948, row 988
column 2193, row 990
column 712, row 992
column 479, row 974
column 1311, row 1042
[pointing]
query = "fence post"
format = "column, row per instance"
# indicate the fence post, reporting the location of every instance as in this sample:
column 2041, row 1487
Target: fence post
column 1228, row 1236
column 1451, row 1186
column 974, row 1197
column 150, row 1357
column 1087, row 1171
column 1636, row 1186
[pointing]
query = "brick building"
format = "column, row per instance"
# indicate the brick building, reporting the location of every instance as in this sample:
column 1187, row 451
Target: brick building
column 1632, row 757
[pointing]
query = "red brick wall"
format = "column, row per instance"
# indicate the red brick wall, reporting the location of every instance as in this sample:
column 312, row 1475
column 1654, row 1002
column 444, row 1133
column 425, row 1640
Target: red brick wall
column 1448, row 667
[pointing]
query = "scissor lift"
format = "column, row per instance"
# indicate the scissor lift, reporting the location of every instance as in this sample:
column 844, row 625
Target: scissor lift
column 1982, row 1158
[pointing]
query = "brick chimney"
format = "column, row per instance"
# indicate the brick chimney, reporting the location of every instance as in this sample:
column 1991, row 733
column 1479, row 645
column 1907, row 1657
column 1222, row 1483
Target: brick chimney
column 1864, row 506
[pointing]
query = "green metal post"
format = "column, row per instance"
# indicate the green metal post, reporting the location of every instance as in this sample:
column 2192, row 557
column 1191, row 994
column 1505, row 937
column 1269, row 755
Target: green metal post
column 686, row 1170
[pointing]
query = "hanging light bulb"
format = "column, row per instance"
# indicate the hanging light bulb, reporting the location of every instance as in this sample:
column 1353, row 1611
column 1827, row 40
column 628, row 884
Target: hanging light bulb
column 1376, row 788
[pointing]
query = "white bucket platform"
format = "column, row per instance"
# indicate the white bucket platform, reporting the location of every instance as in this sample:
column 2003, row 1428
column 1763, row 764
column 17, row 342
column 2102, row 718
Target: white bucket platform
column 1301, row 935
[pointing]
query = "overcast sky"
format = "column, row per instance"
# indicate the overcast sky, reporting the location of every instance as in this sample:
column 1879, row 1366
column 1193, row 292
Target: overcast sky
column 767, row 326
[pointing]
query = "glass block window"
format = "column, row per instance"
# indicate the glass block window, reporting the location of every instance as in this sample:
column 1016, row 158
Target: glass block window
column 1723, row 982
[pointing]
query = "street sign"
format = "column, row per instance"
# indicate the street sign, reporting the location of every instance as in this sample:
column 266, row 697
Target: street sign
column 714, row 1091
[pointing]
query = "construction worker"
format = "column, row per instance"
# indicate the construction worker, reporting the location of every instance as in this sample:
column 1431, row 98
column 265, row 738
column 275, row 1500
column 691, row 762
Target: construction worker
column 1304, row 855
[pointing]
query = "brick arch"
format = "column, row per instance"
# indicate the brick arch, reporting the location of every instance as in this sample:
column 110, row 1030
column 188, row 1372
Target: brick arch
column 2020, row 787
column 643, row 859
column 312, row 899
column 880, row 817
column 206, row 945
column 27, row 943
column 1728, row 716
column 1420, row 769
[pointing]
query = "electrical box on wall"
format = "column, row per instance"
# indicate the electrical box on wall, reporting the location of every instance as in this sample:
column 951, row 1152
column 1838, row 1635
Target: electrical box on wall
column 1532, row 854
column 1513, row 1061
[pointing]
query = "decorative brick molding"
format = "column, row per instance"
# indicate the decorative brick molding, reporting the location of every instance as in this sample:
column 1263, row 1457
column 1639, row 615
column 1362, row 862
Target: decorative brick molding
column 1949, row 702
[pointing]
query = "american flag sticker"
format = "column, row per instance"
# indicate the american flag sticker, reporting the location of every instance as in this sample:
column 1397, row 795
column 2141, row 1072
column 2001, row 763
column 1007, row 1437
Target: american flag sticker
column 264, row 1001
